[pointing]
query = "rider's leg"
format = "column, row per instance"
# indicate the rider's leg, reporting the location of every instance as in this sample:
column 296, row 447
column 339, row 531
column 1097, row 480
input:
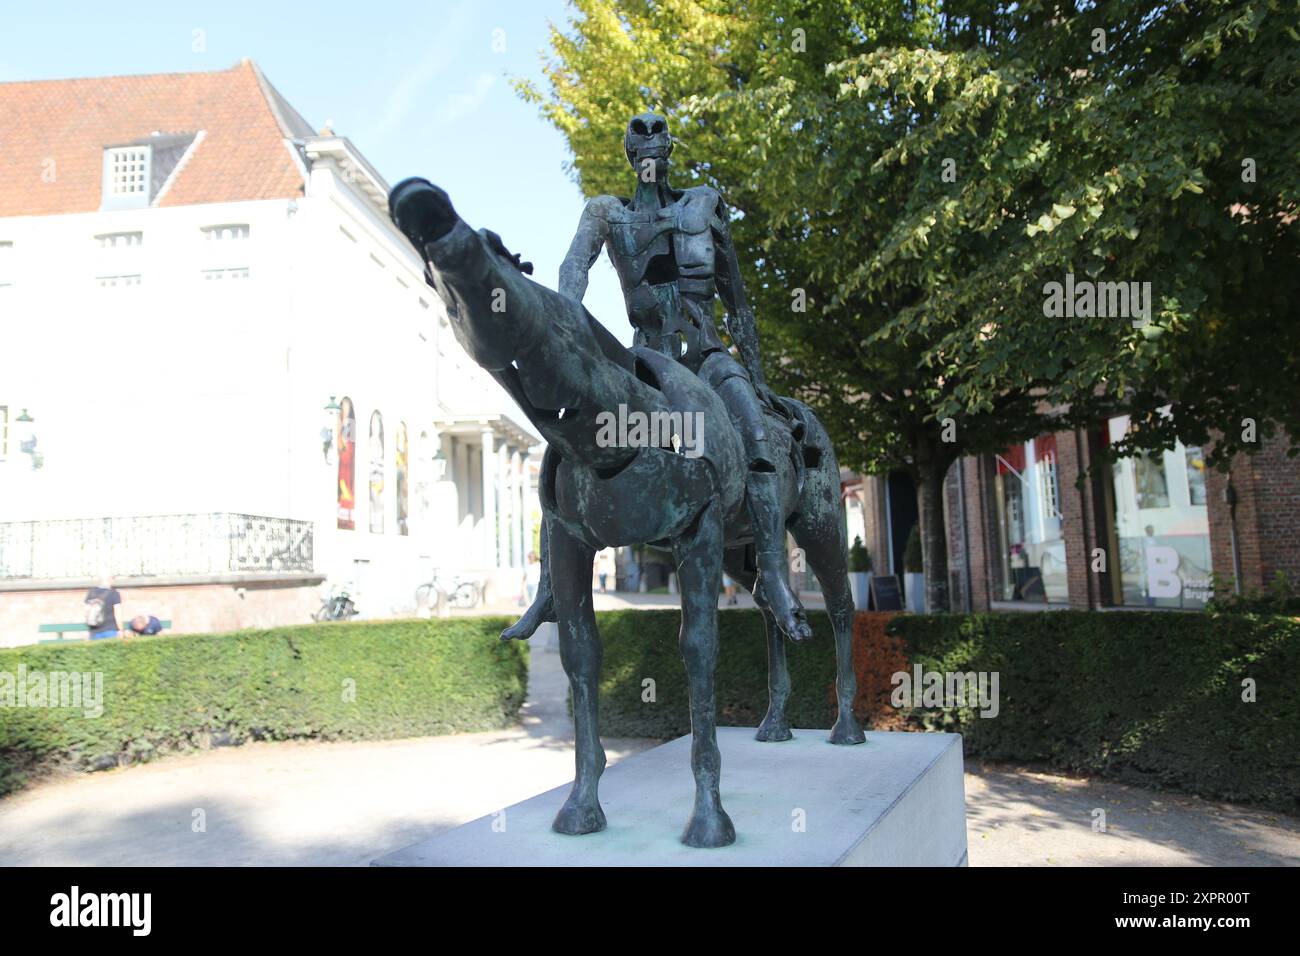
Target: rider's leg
column 766, row 511
column 542, row 608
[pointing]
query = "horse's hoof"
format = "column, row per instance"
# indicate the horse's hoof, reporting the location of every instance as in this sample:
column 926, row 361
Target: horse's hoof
column 529, row 622
column 774, row 595
column 846, row 732
column 521, row 630
column 576, row 819
column 709, row 830
column 773, row 730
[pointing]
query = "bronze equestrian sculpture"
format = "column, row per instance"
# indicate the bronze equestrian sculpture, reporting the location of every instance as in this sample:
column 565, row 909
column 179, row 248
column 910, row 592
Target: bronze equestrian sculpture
column 673, row 254
column 564, row 369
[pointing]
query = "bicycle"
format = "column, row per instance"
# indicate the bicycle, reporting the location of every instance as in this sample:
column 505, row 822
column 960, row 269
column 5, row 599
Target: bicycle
column 337, row 606
column 457, row 592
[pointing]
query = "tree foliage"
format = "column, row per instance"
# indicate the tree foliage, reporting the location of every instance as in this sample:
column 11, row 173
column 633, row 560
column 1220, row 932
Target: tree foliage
column 914, row 173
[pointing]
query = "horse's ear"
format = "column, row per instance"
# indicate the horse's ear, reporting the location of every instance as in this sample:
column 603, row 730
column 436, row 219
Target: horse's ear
column 499, row 247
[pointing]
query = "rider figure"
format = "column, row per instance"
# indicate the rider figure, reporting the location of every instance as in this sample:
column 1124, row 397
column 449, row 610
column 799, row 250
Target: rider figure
column 673, row 253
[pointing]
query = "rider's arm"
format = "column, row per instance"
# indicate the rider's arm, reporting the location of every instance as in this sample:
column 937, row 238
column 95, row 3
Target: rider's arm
column 731, row 289
column 584, row 249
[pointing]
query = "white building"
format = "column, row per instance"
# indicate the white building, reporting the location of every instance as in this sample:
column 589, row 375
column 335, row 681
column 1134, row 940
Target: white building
column 189, row 278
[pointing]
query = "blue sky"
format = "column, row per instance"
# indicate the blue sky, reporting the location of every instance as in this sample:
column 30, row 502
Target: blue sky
column 417, row 87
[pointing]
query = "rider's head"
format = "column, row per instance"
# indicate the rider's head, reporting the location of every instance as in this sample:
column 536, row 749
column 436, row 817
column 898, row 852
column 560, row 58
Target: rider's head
column 648, row 145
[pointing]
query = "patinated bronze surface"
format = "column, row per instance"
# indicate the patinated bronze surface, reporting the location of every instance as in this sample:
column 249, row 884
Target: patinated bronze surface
column 764, row 463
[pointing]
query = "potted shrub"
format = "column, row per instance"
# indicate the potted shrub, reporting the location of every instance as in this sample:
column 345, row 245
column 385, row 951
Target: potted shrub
column 914, row 572
column 859, row 573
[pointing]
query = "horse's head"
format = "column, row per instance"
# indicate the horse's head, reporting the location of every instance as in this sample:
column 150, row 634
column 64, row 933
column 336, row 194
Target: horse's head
column 483, row 316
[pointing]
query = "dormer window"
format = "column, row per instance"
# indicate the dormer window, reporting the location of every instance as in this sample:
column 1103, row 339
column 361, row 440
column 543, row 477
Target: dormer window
column 136, row 174
column 126, row 177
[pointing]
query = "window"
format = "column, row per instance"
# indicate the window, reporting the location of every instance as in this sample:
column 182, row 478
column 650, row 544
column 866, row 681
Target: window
column 6, row 264
column 112, row 282
column 225, row 275
column 1161, row 527
column 130, row 170
column 1027, row 497
column 126, row 177
column 1195, row 476
column 227, row 233
column 115, row 240
column 1150, row 482
column 1045, row 449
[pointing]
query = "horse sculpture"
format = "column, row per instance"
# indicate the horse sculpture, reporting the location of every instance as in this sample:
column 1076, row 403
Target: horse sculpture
column 564, row 369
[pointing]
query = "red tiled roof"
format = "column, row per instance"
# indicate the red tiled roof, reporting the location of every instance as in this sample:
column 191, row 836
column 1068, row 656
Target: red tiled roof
column 57, row 130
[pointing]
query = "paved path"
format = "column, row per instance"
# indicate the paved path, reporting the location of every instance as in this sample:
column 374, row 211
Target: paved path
column 1022, row 818
column 343, row 804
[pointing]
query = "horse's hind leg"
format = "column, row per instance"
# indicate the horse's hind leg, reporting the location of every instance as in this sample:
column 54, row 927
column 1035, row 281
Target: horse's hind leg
column 580, row 653
column 819, row 530
column 775, row 726
column 699, row 568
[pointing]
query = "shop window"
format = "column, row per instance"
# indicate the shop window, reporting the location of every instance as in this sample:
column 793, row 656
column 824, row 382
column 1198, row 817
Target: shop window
column 1027, row 496
column 1195, row 461
column 1161, row 526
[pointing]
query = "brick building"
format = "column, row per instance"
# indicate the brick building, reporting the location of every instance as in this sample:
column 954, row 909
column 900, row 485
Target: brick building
column 1156, row 531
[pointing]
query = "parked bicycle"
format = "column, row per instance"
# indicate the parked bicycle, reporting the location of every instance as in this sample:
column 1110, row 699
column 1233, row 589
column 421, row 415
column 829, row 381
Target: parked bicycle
column 455, row 591
column 336, row 606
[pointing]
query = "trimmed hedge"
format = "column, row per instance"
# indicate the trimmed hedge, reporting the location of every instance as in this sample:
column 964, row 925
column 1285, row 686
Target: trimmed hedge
column 642, row 645
column 175, row 693
column 1153, row 699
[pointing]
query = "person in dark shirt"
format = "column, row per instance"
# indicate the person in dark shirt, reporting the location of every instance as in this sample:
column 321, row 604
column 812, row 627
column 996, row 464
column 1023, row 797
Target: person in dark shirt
column 142, row 624
column 103, row 620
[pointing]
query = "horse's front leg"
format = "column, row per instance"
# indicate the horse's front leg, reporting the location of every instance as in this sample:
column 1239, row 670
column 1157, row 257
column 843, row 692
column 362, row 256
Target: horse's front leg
column 699, row 569
column 580, row 653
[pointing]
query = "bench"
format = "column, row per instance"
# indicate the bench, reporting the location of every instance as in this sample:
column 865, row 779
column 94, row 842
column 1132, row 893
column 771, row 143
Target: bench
column 61, row 629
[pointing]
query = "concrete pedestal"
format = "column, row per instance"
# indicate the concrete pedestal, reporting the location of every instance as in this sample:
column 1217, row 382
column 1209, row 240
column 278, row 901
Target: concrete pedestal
column 897, row 800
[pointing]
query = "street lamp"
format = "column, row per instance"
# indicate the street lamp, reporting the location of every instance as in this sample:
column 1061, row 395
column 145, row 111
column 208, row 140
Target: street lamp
column 328, row 425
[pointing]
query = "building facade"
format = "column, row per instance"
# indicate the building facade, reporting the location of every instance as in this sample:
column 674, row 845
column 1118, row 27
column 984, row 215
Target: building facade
column 1037, row 526
column 223, row 379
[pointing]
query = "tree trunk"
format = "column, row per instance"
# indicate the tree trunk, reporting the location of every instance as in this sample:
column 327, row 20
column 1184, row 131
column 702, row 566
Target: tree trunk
column 934, row 534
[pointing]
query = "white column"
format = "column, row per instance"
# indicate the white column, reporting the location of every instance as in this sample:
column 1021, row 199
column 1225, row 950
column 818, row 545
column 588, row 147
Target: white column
column 526, row 501
column 489, row 532
column 516, row 514
column 503, row 524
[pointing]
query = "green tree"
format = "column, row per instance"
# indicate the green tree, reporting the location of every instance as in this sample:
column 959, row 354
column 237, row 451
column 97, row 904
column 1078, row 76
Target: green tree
column 907, row 177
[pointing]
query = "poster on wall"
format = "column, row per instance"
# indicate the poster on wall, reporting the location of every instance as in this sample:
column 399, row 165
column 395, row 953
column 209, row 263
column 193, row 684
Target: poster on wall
column 347, row 455
column 400, row 472
column 376, row 473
